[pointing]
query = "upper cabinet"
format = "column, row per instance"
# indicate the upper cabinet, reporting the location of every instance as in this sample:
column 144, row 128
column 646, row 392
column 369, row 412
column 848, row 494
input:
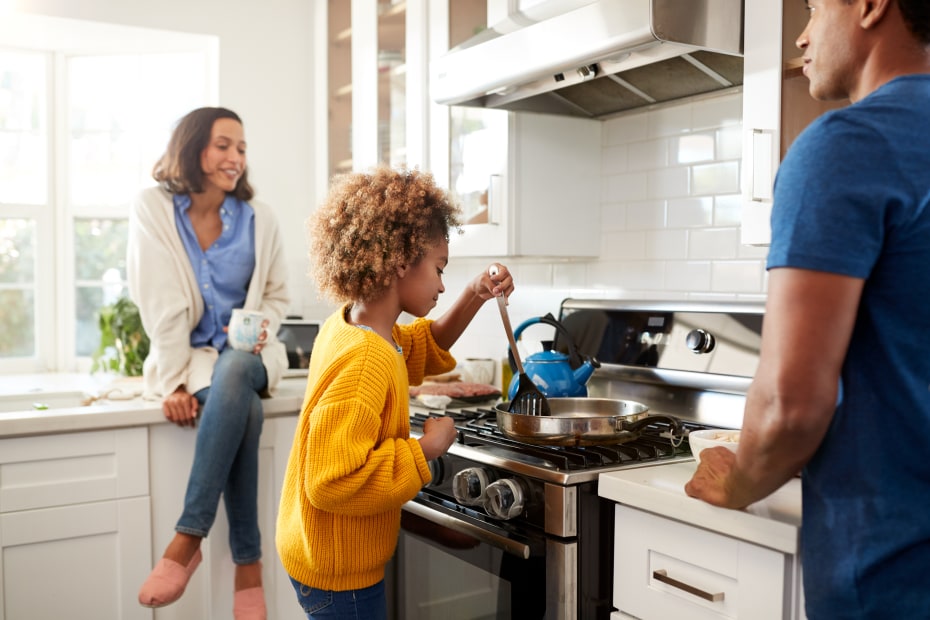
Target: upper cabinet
column 518, row 176
column 367, row 85
column 776, row 105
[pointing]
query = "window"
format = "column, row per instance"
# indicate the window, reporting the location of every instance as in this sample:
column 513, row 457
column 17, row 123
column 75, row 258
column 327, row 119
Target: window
column 79, row 133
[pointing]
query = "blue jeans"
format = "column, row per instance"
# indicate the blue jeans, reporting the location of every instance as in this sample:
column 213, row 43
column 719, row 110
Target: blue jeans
column 365, row 604
column 226, row 454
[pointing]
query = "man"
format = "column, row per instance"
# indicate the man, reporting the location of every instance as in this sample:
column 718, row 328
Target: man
column 843, row 385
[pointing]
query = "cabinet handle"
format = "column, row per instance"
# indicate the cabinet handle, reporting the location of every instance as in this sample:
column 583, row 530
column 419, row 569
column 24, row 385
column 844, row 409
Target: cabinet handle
column 760, row 175
column 495, row 200
column 662, row 575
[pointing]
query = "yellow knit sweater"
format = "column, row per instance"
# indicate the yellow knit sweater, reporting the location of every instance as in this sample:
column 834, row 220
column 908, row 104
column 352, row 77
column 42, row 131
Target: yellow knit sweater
column 353, row 464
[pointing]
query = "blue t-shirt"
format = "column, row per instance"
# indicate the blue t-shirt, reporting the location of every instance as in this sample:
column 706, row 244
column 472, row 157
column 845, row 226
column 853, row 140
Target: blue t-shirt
column 853, row 197
column 224, row 270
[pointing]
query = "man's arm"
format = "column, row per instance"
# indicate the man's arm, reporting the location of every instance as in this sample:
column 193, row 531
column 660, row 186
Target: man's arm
column 808, row 323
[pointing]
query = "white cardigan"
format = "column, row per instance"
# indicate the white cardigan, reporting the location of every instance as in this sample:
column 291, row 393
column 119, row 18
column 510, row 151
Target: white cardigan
column 162, row 284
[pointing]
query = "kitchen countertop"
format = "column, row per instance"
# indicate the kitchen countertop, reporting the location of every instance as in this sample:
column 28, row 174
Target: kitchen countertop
column 773, row 522
column 286, row 400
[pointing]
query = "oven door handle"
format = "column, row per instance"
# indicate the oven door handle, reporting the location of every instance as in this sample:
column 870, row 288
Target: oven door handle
column 463, row 527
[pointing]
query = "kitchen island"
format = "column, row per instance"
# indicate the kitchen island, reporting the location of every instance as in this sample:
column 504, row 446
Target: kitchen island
column 89, row 496
column 676, row 556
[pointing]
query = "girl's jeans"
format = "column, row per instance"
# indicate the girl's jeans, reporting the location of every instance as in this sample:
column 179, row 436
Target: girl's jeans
column 226, row 454
column 365, row 604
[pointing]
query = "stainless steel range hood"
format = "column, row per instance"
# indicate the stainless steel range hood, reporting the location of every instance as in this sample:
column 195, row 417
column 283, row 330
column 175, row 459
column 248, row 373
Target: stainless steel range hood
column 601, row 58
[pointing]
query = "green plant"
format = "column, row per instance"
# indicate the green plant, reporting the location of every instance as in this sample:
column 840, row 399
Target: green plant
column 124, row 344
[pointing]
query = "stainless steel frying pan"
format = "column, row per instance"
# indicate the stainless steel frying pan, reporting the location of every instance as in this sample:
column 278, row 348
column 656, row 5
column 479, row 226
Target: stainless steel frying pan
column 581, row 422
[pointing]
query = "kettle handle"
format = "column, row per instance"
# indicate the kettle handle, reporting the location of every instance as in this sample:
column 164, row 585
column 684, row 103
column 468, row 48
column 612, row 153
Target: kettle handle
column 575, row 359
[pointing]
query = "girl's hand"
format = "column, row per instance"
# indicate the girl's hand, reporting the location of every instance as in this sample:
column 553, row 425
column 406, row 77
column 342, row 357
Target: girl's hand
column 495, row 281
column 438, row 435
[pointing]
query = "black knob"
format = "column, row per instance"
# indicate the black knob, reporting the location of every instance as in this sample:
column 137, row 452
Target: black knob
column 700, row 341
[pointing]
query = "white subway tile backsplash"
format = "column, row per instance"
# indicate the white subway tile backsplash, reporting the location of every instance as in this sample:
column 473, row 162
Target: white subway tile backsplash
column 613, row 217
column 720, row 111
column 688, row 275
column 623, row 245
column 670, row 120
column 645, row 215
column 728, row 210
column 668, row 182
column 693, row 148
column 690, row 212
column 625, row 129
column 720, row 178
column 614, row 160
column 670, row 224
column 713, row 243
column 666, row 244
column 625, row 187
column 730, row 142
column 648, row 155
column 736, row 276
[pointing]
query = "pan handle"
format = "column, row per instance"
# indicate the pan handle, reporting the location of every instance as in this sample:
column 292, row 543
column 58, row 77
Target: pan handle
column 677, row 432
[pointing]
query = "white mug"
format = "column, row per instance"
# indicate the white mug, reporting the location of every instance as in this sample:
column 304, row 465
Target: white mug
column 480, row 370
column 245, row 327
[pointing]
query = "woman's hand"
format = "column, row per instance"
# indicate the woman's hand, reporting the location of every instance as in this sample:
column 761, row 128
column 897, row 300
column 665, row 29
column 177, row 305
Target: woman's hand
column 262, row 338
column 180, row 407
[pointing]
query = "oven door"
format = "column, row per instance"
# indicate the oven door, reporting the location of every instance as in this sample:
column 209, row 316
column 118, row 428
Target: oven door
column 483, row 570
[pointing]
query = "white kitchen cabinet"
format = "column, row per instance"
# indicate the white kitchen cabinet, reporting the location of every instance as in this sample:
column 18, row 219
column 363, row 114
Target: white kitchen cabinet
column 210, row 591
column 74, row 525
column 518, row 176
column 375, row 83
column 776, row 105
column 664, row 568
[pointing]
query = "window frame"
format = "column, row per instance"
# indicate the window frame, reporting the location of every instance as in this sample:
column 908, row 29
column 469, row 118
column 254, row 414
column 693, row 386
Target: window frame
column 60, row 39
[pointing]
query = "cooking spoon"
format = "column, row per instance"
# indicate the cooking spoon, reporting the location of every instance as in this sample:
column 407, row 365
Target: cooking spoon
column 528, row 400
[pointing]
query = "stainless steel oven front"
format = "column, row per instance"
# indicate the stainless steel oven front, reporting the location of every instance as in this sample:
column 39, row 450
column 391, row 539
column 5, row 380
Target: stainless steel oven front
column 503, row 568
column 508, row 530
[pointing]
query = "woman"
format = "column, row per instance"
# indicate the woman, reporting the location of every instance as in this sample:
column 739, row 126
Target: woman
column 198, row 248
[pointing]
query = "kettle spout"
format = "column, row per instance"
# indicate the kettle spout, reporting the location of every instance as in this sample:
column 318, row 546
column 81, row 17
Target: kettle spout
column 584, row 372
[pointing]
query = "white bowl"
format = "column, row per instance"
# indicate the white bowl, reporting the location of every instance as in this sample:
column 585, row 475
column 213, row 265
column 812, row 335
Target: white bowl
column 709, row 438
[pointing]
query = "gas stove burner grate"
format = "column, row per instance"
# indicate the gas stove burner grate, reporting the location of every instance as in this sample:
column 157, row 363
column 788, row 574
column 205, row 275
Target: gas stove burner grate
column 478, row 428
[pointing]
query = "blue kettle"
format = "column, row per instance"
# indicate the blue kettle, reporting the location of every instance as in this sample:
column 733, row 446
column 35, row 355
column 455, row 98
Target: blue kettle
column 554, row 373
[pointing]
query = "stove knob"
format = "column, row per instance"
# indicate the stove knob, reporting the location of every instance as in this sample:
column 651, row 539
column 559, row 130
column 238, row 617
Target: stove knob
column 469, row 486
column 505, row 499
column 700, row 341
column 436, row 472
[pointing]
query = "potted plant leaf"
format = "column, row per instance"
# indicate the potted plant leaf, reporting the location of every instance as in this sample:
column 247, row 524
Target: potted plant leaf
column 123, row 342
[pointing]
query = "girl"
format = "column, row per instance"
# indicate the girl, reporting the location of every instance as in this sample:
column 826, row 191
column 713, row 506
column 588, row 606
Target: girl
column 379, row 245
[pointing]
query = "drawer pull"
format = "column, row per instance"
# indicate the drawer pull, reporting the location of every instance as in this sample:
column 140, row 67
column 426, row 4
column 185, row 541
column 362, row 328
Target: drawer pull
column 662, row 575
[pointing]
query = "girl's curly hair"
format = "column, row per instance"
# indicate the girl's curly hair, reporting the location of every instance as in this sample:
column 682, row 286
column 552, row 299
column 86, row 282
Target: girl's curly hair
column 371, row 224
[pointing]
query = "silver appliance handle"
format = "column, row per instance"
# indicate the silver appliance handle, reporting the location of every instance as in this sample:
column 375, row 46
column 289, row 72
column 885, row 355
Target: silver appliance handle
column 463, row 527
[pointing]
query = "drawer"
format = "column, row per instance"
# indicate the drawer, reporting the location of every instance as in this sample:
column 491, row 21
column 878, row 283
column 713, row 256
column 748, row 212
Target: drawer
column 665, row 568
column 63, row 469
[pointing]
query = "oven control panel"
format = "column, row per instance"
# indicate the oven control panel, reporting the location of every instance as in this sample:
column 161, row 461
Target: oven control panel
column 487, row 490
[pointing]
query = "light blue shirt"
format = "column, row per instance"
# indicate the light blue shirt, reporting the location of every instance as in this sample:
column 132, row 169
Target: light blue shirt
column 224, row 270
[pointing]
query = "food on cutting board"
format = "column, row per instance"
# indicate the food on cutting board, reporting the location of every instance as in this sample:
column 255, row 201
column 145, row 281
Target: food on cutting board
column 460, row 390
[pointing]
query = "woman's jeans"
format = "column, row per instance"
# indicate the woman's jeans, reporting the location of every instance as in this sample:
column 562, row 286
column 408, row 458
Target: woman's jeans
column 365, row 604
column 226, row 454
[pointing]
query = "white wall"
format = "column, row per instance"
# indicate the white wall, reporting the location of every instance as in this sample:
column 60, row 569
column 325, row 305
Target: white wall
column 266, row 76
column 670, row 214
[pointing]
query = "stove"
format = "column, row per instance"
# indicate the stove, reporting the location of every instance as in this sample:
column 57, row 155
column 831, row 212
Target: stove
column 547, row 534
